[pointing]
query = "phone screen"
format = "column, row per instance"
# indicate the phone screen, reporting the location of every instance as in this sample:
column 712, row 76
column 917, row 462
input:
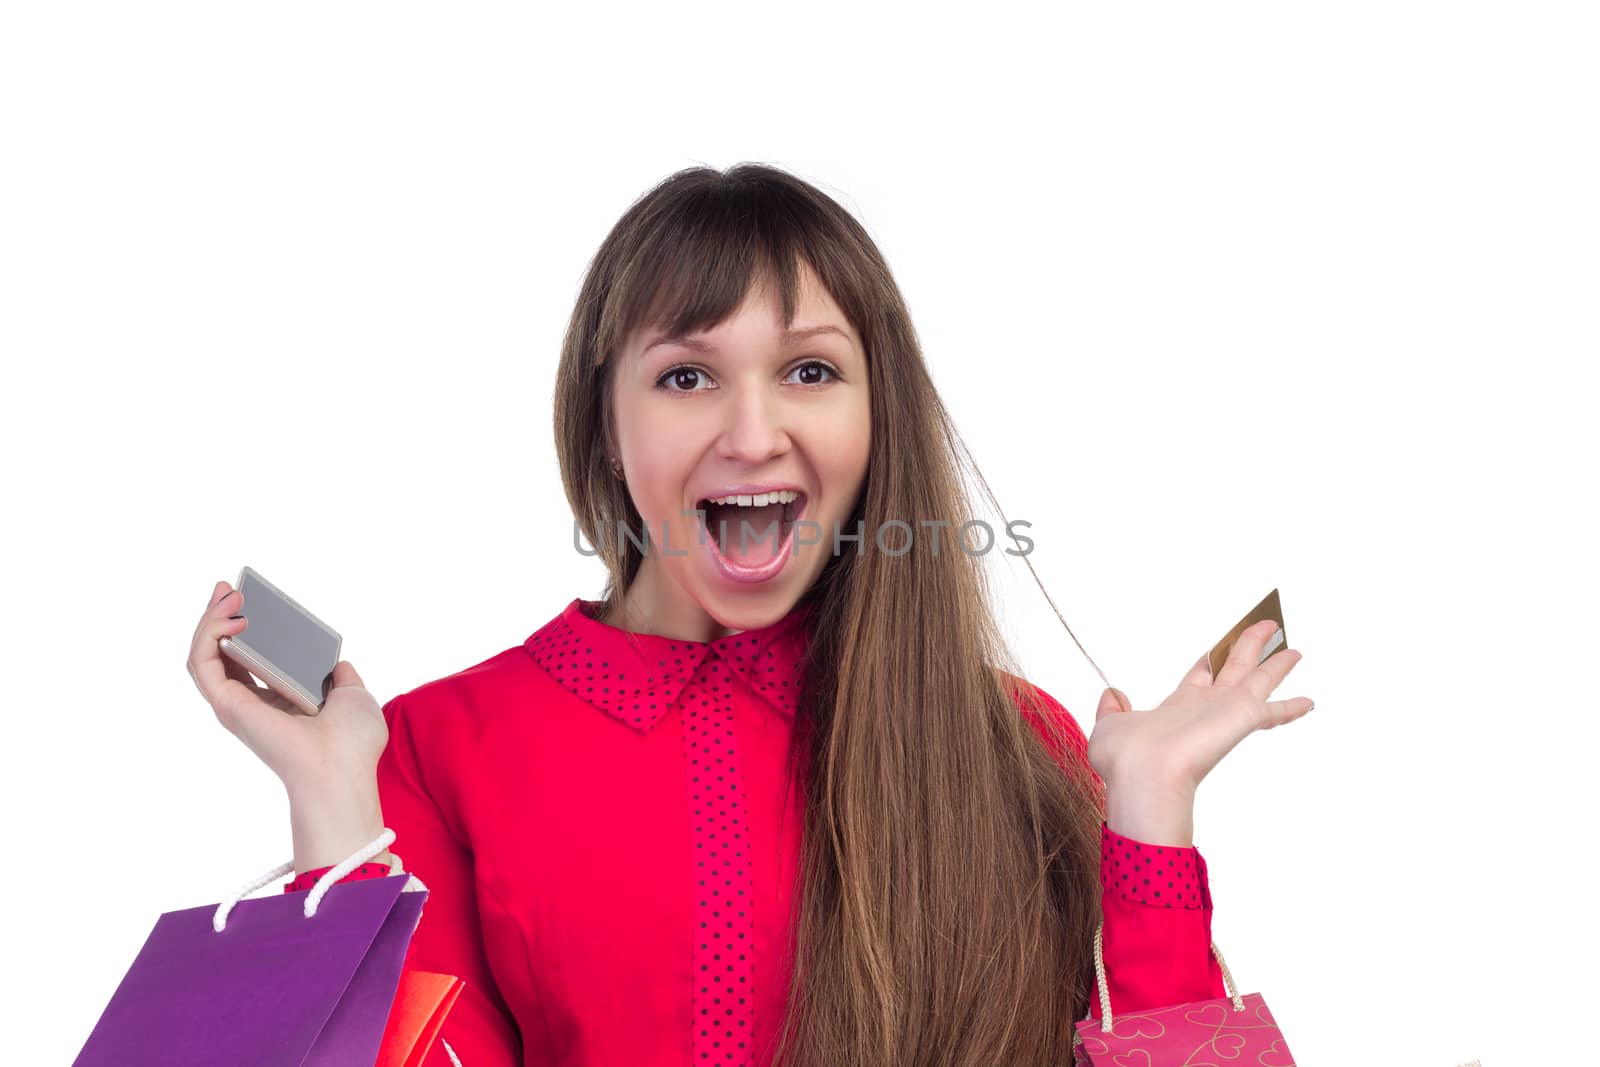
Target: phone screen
column 284, row 634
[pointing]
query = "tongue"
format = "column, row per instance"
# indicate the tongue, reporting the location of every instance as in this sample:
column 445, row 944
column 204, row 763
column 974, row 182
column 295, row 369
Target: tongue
column 748, row 535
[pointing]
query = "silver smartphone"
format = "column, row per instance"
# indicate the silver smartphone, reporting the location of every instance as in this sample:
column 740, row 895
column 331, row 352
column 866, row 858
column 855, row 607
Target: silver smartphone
column 289, row 649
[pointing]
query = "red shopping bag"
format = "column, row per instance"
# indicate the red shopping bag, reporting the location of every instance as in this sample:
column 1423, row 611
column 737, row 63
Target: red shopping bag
column 421, row 1002
column 1230, row 1029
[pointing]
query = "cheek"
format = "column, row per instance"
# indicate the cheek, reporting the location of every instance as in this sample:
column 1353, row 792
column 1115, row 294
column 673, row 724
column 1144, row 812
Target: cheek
column 844, row 445
column 660, row 459
column 855, row 437
column 656, row 480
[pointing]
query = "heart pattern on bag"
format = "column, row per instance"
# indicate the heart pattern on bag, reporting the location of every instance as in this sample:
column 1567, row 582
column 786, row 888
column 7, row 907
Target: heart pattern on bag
column 1276, row 1056
column 1132, row 1026
column 1228, row 1045
column 1208, row 1033
column 1212, row 1015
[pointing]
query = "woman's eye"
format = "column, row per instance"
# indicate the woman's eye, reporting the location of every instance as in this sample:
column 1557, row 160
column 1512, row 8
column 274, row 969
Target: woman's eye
column 682, row 379
column 810, row 372
column 687, row 379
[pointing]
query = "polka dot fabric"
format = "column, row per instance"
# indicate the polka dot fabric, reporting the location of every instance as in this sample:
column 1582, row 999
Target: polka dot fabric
column 1163, row 875
column 652, row 922
column 638, row 686
column 723, row 964
column 309, row 878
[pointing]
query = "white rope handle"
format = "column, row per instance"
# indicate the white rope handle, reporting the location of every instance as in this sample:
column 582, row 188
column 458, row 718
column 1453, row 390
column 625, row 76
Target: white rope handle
column 1105, row 993
column 314, row 898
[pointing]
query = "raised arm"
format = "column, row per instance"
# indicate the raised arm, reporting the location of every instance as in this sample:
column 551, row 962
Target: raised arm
column 349, row 771
column 1155, row 899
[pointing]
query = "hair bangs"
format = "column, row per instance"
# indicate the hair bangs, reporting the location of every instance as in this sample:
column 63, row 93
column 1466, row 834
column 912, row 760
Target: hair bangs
column 696, row 263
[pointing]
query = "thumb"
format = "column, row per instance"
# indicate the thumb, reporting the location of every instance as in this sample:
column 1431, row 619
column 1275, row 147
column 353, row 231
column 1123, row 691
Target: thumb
column 1112, row 701
column 345, row 674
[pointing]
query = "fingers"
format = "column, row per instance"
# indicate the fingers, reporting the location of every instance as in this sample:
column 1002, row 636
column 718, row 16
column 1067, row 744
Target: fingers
column 1112, row 702
column 1264, row 679
column 1282, row 711
column 210, row 670
column 1199, row 674
column 217, row 592
column 1246, row 653
column 239, row 674
column 344, row 673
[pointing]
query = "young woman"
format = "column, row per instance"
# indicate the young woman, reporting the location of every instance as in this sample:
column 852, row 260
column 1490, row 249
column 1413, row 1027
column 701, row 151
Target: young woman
column 765, row 800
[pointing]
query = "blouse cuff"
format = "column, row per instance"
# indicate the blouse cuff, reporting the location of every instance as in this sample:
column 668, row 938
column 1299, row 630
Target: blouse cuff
column 1164, row 876
column 309, row 878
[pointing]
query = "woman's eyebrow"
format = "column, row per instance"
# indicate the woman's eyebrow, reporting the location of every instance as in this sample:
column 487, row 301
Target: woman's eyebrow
column 801, row 335
column 789, row 337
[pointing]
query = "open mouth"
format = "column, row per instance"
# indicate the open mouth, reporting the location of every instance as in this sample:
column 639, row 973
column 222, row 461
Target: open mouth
column 752, row 529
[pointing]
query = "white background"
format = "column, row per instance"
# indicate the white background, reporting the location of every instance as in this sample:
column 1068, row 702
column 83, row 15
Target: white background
column 1224, row 297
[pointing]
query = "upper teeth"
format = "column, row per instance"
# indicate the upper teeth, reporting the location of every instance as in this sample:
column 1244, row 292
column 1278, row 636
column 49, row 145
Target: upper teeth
column 781, row 496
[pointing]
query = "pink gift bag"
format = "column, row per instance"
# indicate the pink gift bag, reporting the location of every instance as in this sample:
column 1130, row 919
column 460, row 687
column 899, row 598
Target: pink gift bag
column 1230, row 1030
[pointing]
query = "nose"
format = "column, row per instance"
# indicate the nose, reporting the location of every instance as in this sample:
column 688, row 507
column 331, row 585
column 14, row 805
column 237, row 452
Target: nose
column 754, row 428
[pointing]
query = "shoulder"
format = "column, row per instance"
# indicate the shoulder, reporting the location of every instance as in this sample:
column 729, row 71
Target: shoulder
column 1031, row 699
column 1057, row 727
column 446, row 731
column 471, row 696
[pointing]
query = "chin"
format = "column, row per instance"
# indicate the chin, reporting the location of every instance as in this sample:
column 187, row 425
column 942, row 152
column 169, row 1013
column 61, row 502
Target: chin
column 749, row 607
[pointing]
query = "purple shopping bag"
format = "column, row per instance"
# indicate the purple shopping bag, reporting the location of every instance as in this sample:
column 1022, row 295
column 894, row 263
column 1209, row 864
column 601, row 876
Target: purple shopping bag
column 275, row 987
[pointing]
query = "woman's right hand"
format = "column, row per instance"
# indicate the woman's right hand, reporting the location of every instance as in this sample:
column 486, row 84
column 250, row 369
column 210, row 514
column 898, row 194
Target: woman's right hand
column 330, row 755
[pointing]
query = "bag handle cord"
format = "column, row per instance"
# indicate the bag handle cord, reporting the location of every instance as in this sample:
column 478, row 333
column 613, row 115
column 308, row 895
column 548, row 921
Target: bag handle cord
column 1105, row 993
column 314, row 898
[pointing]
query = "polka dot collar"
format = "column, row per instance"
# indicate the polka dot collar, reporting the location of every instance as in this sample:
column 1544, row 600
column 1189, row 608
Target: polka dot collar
column 636, row 678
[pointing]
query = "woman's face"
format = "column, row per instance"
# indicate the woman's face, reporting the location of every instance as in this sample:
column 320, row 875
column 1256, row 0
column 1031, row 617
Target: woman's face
column 736, row 411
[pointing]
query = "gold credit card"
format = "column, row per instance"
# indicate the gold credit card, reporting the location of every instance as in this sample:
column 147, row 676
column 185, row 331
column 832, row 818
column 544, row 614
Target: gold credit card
column 1269, row 608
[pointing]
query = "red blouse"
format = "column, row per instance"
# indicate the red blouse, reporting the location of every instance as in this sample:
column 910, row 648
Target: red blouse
column 611, row 840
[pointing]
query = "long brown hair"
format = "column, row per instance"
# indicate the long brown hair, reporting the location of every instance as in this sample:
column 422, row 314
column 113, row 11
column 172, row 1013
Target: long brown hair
column 950, row 862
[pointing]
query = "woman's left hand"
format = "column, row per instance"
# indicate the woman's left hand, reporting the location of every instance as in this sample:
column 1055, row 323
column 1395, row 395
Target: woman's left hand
column 1153, row 761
